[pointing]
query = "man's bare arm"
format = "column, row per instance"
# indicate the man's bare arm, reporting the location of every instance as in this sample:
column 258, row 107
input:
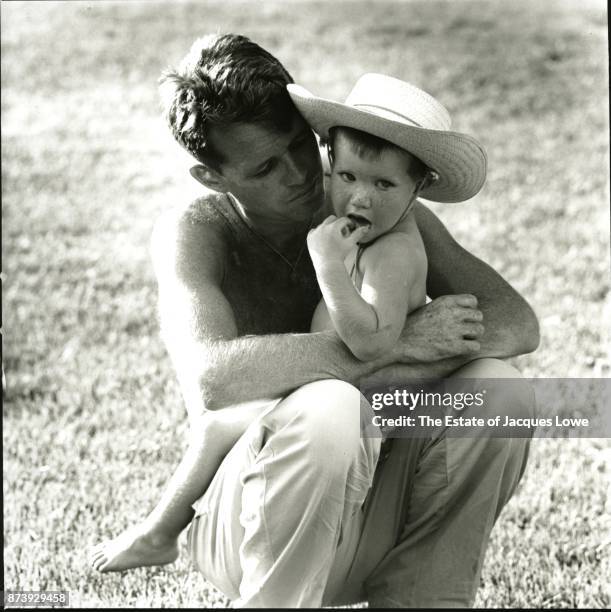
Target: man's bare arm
column 511, row 327
column 215, row 367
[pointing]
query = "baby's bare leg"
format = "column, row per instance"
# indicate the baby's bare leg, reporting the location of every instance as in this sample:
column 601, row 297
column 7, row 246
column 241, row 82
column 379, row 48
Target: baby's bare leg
column 154, row 540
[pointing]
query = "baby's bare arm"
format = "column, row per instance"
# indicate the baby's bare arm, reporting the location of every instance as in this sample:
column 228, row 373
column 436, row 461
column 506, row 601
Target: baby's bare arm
column 371, row 321
column 394, row 283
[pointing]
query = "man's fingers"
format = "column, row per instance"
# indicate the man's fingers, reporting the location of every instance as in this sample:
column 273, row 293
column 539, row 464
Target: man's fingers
column 471, row 346
column 472, row 315
column 329, row 219
column 473, row 331
column 460, row 300
column 466, row 300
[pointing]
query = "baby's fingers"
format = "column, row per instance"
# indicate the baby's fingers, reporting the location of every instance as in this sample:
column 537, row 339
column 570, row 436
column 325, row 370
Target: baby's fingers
column 360, row 232
column 329, row 219
column 348, row 228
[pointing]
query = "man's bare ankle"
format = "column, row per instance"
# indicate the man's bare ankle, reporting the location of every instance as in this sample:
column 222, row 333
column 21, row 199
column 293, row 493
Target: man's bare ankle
column 155, row 534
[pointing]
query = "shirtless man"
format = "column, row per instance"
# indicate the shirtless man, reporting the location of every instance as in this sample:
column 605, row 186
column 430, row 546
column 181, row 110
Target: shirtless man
column 288, row 523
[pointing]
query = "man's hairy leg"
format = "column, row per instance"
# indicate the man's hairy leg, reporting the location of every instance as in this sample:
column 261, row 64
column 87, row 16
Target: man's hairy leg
column 154, row 541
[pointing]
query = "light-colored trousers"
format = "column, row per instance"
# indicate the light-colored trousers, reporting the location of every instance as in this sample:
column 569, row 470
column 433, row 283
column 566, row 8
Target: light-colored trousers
column 304, row 512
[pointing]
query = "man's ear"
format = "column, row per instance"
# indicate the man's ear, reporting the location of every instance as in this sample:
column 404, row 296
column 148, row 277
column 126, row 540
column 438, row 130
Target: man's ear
column 208, row 177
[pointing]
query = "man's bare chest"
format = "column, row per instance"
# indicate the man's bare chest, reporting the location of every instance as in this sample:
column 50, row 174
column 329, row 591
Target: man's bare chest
column 268, row 295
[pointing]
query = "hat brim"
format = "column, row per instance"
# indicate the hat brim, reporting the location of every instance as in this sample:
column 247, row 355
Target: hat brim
column 458, row 158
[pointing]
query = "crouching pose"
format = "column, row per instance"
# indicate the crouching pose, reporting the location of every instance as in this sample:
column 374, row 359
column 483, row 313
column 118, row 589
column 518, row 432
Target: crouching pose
column 299, row 509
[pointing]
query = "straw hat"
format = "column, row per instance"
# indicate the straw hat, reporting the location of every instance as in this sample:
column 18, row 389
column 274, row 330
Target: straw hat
column 409, row 118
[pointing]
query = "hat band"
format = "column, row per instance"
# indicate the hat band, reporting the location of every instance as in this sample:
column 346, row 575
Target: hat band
column 387, row 111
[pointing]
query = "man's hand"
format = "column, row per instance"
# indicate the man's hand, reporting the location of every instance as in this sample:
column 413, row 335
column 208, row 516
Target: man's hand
column 448, row 326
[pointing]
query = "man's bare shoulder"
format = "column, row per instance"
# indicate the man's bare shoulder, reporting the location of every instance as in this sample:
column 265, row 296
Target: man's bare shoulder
column 190, row 238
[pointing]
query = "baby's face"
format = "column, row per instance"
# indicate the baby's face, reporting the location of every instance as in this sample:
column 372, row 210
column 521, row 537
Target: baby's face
column 372, row 190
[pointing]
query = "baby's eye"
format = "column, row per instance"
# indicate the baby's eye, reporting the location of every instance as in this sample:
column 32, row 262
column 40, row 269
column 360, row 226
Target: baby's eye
column 384, row 185
column 348, row 177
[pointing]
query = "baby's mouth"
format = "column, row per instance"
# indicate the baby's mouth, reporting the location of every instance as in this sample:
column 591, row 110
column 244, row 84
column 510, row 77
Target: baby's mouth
column 357, row 220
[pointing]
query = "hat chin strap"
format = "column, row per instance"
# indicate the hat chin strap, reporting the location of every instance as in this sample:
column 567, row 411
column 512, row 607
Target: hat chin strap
column 429, row 178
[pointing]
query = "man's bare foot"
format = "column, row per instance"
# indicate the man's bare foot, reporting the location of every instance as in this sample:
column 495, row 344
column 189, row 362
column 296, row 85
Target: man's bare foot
column 135, row 547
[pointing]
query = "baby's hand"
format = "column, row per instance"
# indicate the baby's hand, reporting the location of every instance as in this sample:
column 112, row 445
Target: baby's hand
column 334, row 238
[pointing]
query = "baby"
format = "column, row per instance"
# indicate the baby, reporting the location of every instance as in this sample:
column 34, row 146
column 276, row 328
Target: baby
column 389, row 143
column 369, row 259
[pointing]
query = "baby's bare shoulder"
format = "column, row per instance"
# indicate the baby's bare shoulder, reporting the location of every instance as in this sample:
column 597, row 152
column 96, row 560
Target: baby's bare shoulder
column 394, row 246
column 397, row 255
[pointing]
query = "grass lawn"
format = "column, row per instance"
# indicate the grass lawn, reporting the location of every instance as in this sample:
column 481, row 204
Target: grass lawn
column 93, row 422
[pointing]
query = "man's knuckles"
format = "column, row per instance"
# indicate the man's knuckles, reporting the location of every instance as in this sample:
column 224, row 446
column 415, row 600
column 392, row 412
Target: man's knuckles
column 471, row 346
column 474, row 315
column 474, row 330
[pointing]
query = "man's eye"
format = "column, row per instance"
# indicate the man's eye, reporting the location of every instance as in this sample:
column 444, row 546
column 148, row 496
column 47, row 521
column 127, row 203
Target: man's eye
column 301, row 141
column 384, row 185
column 348, row 177
column 269, row 166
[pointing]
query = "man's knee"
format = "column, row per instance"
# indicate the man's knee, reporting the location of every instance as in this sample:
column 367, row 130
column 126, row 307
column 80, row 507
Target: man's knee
column 507, row 393
column 322, row 405
column 324, row 417
column 487, row 367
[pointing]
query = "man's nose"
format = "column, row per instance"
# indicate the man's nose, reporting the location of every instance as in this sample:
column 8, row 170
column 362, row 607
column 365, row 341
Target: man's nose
column 296, row 170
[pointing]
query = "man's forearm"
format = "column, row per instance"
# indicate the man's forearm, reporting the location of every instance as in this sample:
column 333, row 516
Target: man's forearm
column 228, row 372
column 403, row 373
column 511, row 327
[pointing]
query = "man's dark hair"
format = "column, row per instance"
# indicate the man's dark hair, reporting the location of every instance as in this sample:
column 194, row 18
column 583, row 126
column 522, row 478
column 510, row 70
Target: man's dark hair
column 368, row 145
column 224, row 79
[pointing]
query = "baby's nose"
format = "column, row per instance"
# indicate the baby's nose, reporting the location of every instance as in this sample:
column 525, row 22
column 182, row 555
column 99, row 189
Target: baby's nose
column 361, row 198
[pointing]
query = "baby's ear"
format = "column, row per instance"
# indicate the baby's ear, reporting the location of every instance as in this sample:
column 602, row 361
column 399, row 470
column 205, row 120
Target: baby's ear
column 208, row 177
column 327, row 160
column 430, row 178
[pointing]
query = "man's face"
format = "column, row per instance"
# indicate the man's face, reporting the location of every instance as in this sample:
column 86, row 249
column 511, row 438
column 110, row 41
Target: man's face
column 274, row 175
column 374, row 189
